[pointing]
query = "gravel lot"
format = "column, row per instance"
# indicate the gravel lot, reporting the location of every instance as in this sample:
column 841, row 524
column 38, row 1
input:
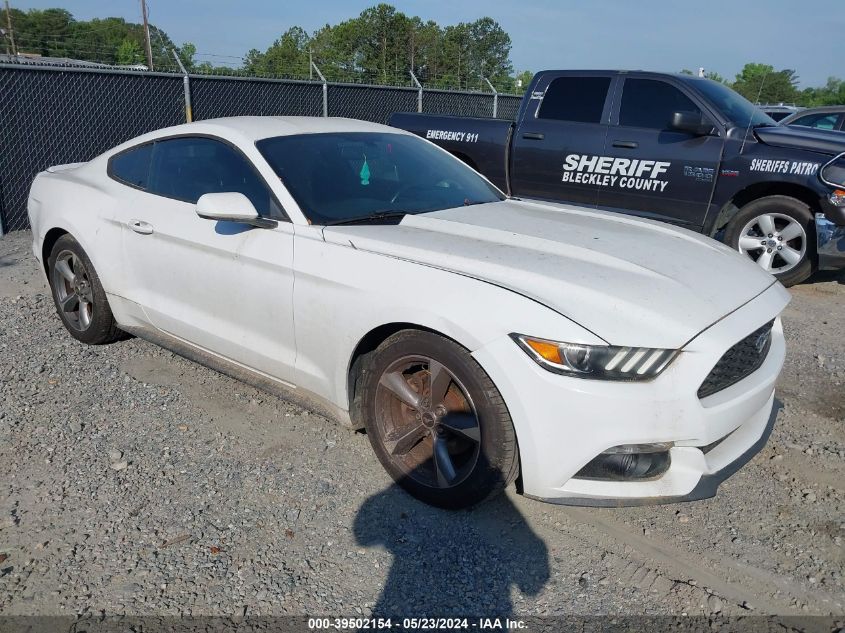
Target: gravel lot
column 135, row 482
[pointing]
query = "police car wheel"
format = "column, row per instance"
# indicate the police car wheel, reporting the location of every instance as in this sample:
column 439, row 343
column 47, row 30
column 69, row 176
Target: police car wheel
column 776, row 233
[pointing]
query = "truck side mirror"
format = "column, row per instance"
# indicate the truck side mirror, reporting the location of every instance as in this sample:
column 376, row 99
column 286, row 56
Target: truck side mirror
column 693, row 122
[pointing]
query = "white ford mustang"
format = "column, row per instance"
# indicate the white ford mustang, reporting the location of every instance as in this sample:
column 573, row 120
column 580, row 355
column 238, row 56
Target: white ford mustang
column 594, row 358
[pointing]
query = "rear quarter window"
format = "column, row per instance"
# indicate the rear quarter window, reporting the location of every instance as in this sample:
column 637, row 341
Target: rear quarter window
column 132, row 167
column 577, row 99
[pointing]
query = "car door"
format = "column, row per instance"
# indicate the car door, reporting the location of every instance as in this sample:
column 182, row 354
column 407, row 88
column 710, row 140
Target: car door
column 561, row 133
column 223, row 286
column 657, row 171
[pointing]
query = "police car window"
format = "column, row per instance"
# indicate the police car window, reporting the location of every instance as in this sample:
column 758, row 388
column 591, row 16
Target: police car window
column 133, row 166
column 650, row 104
column 820, row 121
column 186, row 168
column 579, row 99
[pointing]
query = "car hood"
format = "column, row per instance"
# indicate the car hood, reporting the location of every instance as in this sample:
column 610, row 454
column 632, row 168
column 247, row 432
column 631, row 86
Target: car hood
column 800, row 137
column 629, row 281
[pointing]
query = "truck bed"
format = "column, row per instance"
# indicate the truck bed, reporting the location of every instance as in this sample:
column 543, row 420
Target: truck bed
column 481, row 143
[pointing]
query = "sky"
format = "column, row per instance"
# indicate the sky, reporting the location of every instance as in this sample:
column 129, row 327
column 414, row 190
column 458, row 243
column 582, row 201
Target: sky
column 661, row 35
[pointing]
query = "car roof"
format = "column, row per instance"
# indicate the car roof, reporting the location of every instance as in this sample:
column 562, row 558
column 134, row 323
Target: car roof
column 249, row 129
column 259, row 127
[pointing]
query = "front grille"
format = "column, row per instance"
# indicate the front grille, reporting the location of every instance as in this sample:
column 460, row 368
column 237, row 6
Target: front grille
column 739, row 361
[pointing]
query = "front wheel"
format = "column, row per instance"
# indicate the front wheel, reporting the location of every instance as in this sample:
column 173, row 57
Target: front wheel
column 776, row 233
column 436, row 421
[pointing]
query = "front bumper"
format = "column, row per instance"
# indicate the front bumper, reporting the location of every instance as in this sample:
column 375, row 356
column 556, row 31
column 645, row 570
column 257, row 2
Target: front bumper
column 830, row 240
column 563, row 423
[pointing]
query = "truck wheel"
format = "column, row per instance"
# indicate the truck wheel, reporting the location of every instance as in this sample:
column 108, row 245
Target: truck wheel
column 777, row 233
column 437, row 422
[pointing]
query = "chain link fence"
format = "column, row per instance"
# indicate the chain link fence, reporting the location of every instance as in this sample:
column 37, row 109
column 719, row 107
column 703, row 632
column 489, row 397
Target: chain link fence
column 56, row 115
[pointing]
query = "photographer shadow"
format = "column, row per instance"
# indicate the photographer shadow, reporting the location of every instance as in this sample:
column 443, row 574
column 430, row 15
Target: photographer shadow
column 451, row 563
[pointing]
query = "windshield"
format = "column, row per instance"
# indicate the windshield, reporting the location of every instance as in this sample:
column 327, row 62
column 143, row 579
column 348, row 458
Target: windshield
column 335, row 177
column 733, row 105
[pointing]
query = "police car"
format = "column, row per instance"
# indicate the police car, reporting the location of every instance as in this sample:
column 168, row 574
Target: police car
column 676, row 148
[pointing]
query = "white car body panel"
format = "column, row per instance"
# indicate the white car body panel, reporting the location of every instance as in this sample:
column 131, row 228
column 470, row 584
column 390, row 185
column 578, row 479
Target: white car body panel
column 293, row 303
column 599, row 268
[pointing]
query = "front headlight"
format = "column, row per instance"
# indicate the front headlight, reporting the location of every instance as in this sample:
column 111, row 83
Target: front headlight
column 833, row 172
column 601, row 362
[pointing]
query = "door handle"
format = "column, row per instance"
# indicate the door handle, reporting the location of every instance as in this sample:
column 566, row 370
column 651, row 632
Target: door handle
column 534, row 136
column 139, row 226
column 626, row 144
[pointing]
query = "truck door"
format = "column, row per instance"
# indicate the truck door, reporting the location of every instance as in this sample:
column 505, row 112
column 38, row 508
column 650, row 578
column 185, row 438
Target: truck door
column 657, row 171
column 563, row 123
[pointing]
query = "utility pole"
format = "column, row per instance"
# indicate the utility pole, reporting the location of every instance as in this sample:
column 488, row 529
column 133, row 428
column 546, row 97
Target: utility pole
column 9, row 26
column 146, row 34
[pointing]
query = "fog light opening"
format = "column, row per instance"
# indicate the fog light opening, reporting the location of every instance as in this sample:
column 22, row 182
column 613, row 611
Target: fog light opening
column 629, row 462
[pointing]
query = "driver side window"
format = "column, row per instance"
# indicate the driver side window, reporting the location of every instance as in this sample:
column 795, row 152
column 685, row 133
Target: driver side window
column 650, row 104
column 188, row 167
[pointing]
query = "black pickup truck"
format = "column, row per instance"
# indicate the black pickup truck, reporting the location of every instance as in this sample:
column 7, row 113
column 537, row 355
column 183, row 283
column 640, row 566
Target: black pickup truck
column 676, row 148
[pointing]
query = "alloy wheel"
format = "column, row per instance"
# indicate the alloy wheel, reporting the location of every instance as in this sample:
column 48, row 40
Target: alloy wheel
column 775, row 241
column 427, row 422
column 74, row 293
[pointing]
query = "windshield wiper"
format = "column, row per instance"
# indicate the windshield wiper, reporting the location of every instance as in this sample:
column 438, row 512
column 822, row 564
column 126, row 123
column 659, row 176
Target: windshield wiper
column 370, row 217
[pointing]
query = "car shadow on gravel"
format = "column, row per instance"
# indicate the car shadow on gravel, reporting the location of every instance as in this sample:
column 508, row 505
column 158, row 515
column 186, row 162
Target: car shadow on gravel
column 451, row 563
column 826, row 276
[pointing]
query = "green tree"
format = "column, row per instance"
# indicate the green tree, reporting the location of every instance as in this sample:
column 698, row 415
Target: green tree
column 490, row 52
column 128, row 53
column 760, row 83
column 187, row 52
column 832, row 93
column 523, row 80
column 287, row 56
column 55, row 33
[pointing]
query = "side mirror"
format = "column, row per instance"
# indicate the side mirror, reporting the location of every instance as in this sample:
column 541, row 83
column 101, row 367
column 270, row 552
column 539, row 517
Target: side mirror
column 692, row 122
column 231, row 207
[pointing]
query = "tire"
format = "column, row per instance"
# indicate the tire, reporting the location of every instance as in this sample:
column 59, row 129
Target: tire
column 454, row 452
column 749, row 232
column 78, row 294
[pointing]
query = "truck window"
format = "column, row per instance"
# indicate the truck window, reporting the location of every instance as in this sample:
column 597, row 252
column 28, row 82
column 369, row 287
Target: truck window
column 579, row 99
column 650, row 104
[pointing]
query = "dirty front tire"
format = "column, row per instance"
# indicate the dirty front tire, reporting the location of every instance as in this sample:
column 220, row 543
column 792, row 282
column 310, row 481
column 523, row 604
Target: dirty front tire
column 78, row 294
column 777, row 233
column 436, row 421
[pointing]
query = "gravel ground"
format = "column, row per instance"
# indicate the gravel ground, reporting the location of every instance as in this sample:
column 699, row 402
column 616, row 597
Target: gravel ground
column 135, row 482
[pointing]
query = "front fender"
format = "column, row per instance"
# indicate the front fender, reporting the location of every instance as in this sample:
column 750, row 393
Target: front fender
column 341, row 294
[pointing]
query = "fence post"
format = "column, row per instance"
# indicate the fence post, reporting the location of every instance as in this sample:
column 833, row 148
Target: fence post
column 186, row 82
column 419, row 90
column 495, row 97
column 325, row 89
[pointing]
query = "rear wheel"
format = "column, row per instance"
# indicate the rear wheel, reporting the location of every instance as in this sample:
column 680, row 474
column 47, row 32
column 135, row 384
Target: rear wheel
column 776, row 233
column 436, row 421
column 79, row 297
